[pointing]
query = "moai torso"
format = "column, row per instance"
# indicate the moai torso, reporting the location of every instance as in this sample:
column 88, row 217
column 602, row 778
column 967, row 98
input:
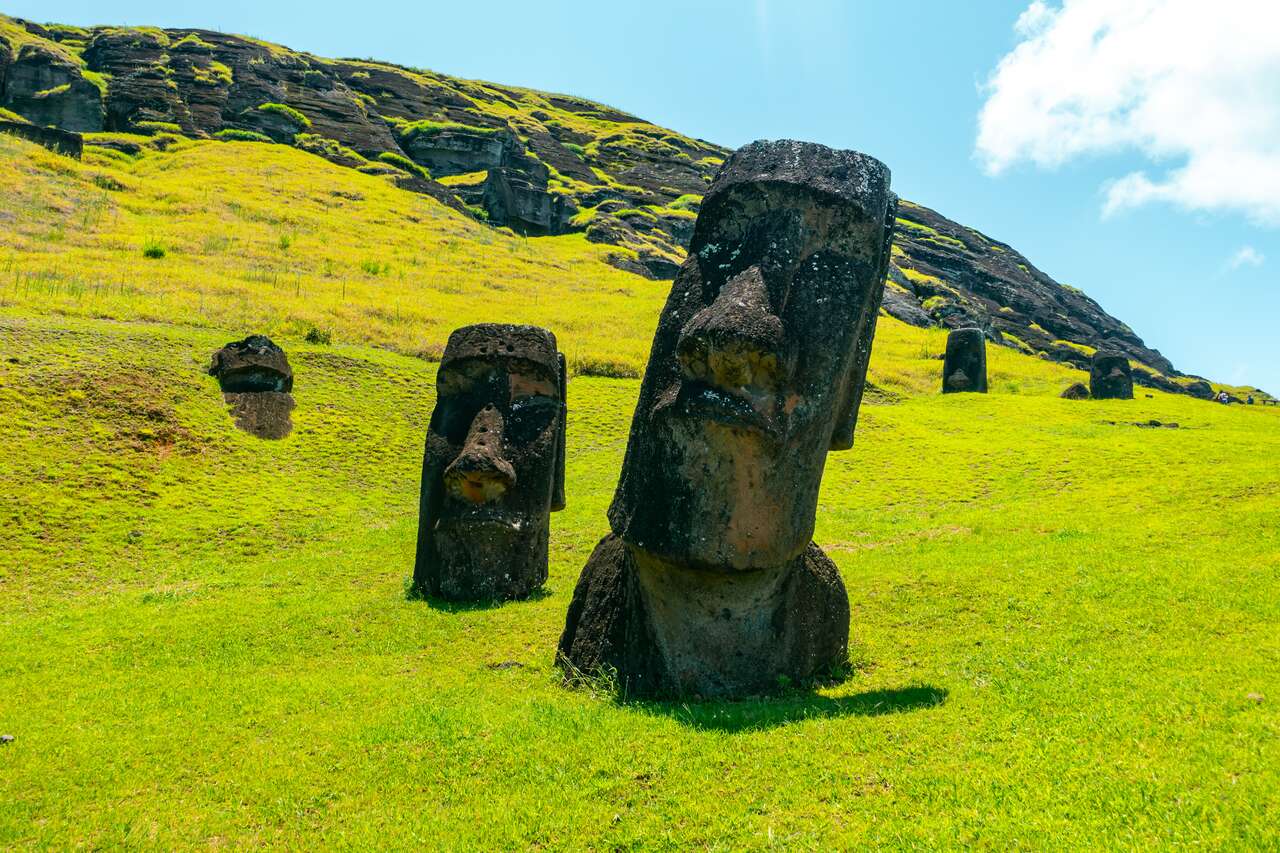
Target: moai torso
column 710, row 583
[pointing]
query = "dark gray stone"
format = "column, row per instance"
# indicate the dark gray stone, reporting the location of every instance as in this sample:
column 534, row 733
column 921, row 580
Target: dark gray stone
column 964, row 368
column 59, row 141
column 710, row 583
column 47, row 89
column 493, row 467
column 252, row 365
column 256, row 382
column 1110, row 377
column 1077, row 391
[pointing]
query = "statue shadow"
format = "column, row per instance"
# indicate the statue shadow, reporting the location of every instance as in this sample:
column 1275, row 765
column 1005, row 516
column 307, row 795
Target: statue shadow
column 446, row 606
column 767, row 713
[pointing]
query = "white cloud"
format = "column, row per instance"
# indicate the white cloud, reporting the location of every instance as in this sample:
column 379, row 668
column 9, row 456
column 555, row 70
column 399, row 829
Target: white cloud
column 1246, row 256
column 1191, row 85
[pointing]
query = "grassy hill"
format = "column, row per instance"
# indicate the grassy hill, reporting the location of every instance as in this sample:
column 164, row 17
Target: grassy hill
column 523, row 161
column 1066, row 627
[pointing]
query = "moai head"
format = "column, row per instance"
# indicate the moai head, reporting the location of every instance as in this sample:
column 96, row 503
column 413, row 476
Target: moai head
column 965, row 366
column 493, row 469
column 1110, row 377
column 759, row 359
column 252, row 365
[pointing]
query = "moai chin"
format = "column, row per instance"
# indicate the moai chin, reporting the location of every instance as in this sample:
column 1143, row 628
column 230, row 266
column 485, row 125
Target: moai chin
column 964, row 368
column 493, row 468
column 1110, row 377
column 709, row 583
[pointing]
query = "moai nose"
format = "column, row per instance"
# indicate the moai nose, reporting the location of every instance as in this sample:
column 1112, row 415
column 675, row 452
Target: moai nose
column 735, row 341
column 481, row 474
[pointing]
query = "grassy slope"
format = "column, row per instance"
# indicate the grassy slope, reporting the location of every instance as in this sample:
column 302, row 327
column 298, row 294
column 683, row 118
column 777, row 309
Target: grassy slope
column 203, row 637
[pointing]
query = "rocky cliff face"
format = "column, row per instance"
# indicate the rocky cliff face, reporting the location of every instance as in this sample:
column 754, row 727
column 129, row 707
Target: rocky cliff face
column 539, row 163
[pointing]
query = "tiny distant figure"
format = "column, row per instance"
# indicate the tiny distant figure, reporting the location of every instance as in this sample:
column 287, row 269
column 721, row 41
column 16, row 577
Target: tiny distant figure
column 1224, row 397
column 1250, row 400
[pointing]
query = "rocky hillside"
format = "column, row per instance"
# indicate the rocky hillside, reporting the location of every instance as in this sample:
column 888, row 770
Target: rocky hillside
column 538, row 163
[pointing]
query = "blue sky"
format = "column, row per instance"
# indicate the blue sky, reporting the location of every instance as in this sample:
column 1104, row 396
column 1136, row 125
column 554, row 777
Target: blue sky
column 1189, row 264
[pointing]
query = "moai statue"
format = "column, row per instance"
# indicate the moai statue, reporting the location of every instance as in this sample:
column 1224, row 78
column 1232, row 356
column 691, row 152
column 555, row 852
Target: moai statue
column 709, row 583
column 1110, row 377
column 965, row 366
column 493, row 469
column 256, row 382
column 252, row 365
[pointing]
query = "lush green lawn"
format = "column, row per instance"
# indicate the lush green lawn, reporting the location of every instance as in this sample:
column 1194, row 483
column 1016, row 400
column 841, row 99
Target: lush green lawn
column 1057, row 625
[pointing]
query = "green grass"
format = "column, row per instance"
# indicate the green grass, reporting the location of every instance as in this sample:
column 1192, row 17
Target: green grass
column 404, row 164
column 299, row 120
column 1058, row 618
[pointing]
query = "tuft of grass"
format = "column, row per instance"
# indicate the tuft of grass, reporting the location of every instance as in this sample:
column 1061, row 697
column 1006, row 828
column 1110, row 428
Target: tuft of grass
column 231, row 134
column 153, row 249
column 299, row 120
column 404, row 164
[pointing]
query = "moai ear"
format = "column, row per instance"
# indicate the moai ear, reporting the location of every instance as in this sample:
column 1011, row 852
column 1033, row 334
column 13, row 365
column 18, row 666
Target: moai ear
column 557, row 490
column 847, row 418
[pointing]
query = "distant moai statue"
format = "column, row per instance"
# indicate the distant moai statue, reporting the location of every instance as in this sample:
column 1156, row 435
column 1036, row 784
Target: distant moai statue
column 493, row 467
column 257, row 384
column 710, row 583
column 965, row 367
column 1076, row 391
column 1110, row 377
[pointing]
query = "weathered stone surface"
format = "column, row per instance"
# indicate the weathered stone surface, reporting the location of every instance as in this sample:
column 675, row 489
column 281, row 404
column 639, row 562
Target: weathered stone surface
column 710, row 583
column 1076, row 391
column 1110, row 377
column 254, row 364
column 964, row 368
column 61, row 141
column 1200, row 389
column 493, row 467
column 47, row 89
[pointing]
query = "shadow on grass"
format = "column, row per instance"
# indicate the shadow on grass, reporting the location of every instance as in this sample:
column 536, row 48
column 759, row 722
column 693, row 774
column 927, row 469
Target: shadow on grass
column 766, row 713
column 412, row 593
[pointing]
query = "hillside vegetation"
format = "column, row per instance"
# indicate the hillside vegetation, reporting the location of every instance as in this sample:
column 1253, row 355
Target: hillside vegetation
column 529, row 162
column 1066, row 622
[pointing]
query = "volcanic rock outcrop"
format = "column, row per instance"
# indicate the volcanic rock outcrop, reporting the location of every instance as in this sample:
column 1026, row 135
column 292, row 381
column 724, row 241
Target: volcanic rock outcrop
column 536, row 162
column 256, row 383
column 964, row 368
column 1110, row 377
column 493, row 467
column 1076, row 391
column 709, row 583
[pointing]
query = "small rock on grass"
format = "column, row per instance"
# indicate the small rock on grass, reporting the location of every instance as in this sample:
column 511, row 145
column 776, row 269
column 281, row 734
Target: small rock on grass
column 6, row 738
column 1254, row 697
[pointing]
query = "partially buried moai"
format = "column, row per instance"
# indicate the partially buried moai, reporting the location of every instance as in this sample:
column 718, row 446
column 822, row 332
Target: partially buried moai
column 493, row 469
column 709, row 583
column 257, row 383
column 964, row 369
column 1110, row 377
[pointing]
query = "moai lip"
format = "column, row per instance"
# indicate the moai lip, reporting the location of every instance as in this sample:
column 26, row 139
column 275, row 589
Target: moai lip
column 1110, row 377
column 709, row 583
column 964, row 369
column 256, row 382
column 493, row 467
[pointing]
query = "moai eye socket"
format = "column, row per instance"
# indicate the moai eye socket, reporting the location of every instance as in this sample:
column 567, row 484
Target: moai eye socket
column 529, row 418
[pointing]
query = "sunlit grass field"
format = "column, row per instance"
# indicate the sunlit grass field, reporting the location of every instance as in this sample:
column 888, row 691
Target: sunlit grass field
column 1066, row 627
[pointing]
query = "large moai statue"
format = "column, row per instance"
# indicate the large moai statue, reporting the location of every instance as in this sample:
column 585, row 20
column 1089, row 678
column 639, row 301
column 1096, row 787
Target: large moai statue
column 493, row 469
column 964, row 368
column 709, row 583
column 1110, row 377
